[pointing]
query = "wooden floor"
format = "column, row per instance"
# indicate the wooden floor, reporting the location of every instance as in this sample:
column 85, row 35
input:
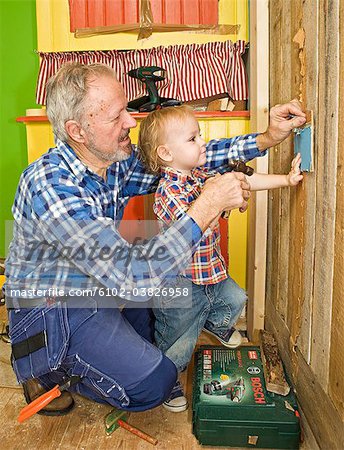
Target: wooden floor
column 83, row 428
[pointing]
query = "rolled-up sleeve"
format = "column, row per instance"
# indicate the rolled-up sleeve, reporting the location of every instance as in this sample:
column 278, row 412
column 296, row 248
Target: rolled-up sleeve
column 221, row 151
column 95, row 247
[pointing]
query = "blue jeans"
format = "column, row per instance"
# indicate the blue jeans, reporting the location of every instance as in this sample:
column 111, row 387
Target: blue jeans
column 179, row 320
column 110, row 350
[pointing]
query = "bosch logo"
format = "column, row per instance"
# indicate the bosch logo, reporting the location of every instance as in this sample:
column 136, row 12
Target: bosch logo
column 253, row 370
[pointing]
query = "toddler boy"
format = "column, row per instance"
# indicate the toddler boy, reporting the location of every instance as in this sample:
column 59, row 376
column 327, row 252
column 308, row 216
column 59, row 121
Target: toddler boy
column 171, row 144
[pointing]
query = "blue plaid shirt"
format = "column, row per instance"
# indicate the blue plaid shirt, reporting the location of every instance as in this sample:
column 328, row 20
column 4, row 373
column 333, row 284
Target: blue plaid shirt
column 66, row 218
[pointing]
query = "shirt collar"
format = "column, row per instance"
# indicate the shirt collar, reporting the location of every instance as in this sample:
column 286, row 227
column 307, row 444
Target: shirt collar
column 79, row 169
column 175, row 175
column 76, row 166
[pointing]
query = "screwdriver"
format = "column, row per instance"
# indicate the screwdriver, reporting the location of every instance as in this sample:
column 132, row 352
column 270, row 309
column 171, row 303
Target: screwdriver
column 42, row 401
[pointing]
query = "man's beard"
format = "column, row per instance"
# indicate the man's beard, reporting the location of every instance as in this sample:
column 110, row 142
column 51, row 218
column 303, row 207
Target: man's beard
column 118, row 155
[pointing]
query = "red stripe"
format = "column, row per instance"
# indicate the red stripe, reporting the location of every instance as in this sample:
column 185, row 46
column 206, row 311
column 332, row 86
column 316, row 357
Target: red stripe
column 193, row 71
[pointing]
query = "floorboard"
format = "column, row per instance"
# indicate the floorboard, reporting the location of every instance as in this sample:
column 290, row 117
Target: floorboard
column 83, row 429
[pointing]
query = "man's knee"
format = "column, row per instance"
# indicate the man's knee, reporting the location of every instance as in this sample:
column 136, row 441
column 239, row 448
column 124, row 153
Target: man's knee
column 155, row 389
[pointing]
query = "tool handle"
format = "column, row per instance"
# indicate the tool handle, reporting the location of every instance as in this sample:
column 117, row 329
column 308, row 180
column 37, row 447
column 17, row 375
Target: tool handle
column 137, row 432
column 38, row 404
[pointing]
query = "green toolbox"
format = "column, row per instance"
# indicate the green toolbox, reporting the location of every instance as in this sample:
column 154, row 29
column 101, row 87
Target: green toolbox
column 231, row 406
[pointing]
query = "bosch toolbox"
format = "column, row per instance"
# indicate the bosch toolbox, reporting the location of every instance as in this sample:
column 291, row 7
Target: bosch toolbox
column 231, row 406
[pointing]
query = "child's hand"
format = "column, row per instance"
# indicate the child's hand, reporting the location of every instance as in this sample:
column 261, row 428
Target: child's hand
column 295, row 175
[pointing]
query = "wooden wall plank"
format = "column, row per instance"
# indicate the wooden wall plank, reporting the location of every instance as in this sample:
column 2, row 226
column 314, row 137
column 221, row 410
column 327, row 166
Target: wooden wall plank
column 336, row 379
column 274, row 218
column 310, row 24
column 285, row 155
column 326, row 182
column 297, row 197
column 320, row 412
column 310, row 335
column 259, row 102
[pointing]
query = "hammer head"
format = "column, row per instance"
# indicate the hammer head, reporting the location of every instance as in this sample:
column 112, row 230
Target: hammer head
column 240, row 166
column 111, row 423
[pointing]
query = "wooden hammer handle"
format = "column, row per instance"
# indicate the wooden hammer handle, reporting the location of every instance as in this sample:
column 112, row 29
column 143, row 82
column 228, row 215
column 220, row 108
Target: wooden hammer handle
column 137, row 432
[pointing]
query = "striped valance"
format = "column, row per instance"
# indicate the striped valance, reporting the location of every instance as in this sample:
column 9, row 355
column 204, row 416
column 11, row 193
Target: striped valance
column 194, row 71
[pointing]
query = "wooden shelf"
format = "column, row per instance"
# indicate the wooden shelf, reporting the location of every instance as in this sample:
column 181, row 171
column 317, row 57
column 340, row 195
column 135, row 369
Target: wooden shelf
column 32, row 119
column 199, row 114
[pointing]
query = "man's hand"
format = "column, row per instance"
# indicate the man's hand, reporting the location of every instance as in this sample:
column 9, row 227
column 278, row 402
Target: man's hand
column 220, row 193
column 283, row 118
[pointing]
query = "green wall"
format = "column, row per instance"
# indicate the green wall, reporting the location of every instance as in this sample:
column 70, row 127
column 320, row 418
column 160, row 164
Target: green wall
column 18, row 74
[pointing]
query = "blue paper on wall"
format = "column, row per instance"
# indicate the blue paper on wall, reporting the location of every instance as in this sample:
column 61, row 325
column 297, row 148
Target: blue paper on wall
column 303, row 143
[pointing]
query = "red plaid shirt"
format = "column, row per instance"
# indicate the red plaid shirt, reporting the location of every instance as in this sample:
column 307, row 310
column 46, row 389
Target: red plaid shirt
column 173, row 198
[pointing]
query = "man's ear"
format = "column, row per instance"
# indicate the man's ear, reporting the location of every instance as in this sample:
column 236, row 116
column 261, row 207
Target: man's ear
column 75, row 131
column 164, row 153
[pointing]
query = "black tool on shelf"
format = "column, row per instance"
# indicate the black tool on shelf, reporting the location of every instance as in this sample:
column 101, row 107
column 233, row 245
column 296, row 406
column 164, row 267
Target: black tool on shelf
column 149, row 76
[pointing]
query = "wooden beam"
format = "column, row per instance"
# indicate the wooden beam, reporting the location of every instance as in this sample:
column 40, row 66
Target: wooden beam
column 273, row 368
column 137, row 115
column 310, row 24
column 297, row 199
column 284, row 93
column 274, row 216
column 326, row 168
column 336, row 379
column 259, row 106
column 310, row 335
column 322, row 416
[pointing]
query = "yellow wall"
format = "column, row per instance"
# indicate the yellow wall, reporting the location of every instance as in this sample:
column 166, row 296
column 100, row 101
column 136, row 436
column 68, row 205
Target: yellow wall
column 54, row 35
column 53, row 30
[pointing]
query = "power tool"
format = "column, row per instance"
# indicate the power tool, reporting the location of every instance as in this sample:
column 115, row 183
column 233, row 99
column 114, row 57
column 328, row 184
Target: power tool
column 237, row 390
column 149, row 77
column 218, row 387
column 234, row 390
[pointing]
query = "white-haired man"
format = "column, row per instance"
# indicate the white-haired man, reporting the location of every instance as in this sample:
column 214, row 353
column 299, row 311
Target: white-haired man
column 69, row 271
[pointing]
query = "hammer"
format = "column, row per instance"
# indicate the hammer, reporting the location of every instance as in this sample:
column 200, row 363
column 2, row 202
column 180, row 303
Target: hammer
column 117, row 418
column 240, row 166
column 237, row 166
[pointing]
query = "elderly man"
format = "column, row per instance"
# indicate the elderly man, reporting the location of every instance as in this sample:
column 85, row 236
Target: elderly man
column 69, row 271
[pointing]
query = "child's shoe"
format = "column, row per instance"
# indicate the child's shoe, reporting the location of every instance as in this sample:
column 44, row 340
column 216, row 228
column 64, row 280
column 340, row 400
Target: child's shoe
column 230, row 338
column 176, row 402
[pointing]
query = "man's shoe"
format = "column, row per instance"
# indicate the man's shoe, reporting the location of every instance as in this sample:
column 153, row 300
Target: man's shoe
column 230, row 338
column 176, row 401
column 57, row 407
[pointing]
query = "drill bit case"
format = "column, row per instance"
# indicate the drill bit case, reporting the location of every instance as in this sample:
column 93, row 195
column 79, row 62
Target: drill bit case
column 231, row 406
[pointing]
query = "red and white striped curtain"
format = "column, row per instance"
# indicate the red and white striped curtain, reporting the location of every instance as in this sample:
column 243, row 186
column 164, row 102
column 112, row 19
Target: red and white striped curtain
column 193, row 72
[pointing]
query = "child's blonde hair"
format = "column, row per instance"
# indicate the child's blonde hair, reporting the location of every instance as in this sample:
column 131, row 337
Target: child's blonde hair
column 153, row 130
